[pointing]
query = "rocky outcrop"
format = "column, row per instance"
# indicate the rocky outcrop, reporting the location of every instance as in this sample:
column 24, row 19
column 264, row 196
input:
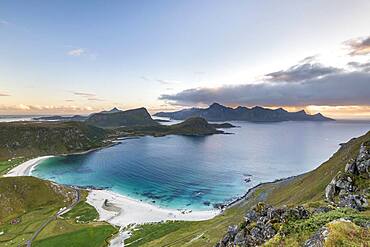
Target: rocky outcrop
column 343, row 191
column 260, row 224
column 318, row 239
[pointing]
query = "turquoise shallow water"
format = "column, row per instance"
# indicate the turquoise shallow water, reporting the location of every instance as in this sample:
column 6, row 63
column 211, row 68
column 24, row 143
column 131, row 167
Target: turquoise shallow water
column 197, row 172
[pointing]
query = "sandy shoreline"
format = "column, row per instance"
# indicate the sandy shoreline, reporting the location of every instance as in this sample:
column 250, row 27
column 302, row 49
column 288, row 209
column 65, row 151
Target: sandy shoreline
column 134, row 211
column 26, row 168
column 123, row 210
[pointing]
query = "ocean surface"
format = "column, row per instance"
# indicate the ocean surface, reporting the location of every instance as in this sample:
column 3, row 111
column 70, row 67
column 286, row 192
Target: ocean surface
column 198, row 172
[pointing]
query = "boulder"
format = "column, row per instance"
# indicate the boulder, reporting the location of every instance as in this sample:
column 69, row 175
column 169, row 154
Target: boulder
column 251, row 216
column 257, row 235
column 240, row 239
column 351, row 168
column 364, row 167
column 363, row 154
column 330, row 191
column 318, row 239
column 274, row 214
column 268, row 231
column 344, row 183
column 232, row 231
column 303, row 213
column 358, row 202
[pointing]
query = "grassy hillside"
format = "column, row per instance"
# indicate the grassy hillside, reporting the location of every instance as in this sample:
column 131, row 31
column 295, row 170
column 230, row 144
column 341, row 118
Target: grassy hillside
column 305, row 189
column 38, row 138
column 310, row 187
column 27, row 202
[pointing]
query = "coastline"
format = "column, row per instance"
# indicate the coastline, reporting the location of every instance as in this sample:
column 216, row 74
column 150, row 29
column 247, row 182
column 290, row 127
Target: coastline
column 123, row 210
column 26, row 167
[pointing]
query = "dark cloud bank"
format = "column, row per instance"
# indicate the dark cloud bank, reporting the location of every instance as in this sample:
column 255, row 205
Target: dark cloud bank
column 300, row 85
column 307, row 83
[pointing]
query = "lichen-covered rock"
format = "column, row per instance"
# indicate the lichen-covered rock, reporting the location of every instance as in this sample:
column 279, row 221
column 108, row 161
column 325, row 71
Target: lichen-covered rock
column 318, row 239
column 358, row 202
column 240, row 238
column 250, row 216
column 330, row 192
column 257, row 235
column 259, row 225
column 232, row 231
column 351, row 168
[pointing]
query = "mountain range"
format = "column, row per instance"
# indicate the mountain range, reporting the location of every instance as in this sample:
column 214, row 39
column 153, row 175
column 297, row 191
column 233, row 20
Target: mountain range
column 218, row 112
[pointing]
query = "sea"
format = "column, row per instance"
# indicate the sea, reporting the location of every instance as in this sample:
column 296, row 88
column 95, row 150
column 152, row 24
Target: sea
column 200, row 173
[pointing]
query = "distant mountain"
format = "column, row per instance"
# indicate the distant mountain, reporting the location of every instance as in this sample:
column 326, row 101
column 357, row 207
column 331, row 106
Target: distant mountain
column 113, row 110
column 117, row 118
column 61, row 118
column 217, row 112
column 194, row 126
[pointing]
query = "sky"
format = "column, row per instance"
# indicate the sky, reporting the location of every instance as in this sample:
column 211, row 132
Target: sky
column 77, row 57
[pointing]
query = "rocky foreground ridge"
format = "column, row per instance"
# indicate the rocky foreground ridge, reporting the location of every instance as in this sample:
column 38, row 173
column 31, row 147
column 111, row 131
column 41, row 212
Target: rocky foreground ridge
column 345, row 195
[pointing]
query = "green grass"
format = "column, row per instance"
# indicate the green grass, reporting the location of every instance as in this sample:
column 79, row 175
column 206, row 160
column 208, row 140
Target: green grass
column 29, row 200
column 15, row 235
column 83, row 213
column 92, row 236
column 7, row 165
column 32, row 201
column 347, row 234
column 20, row 195
column 149, row 232
column 297, row 232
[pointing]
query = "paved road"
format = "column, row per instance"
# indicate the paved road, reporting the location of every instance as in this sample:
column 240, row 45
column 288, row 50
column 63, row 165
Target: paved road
column 54, row 217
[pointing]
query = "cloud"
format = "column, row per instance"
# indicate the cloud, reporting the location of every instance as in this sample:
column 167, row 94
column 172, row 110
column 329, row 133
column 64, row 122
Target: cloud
column 167, row 82
column 358, row 46
column 309, row 59
column 76, row 52
column 302, row 71
column 45, row 108
column 83, row 94
column 360, row 66
column 163, row 82
column 4, row 94
column 95, row 99
column 345, row 88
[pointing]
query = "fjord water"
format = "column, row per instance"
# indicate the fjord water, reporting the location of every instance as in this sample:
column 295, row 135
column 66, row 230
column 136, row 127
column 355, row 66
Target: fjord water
column 197, row 172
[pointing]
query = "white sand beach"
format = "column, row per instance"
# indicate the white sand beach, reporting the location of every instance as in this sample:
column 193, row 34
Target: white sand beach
column 133, row 211
column 123, row 210
column 26, row 168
